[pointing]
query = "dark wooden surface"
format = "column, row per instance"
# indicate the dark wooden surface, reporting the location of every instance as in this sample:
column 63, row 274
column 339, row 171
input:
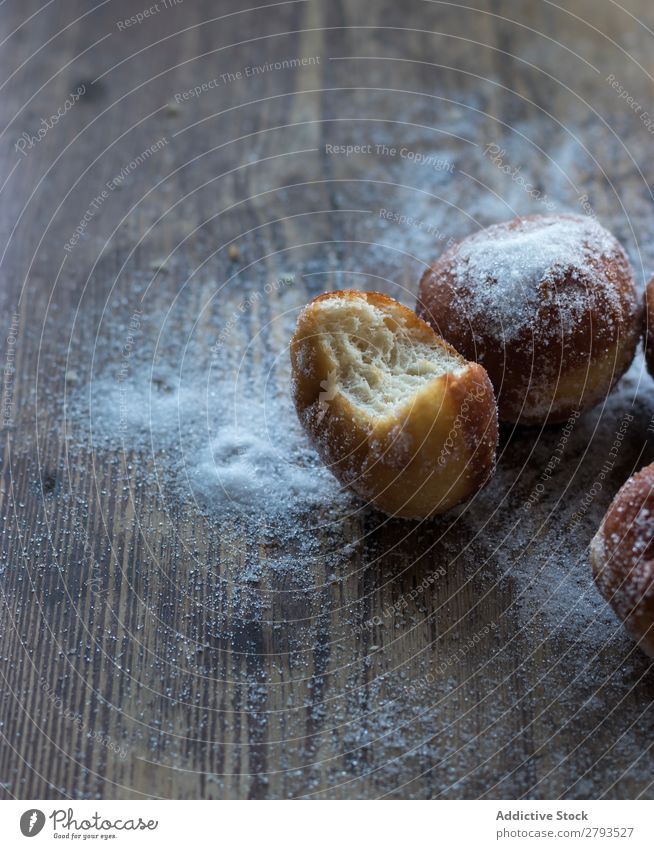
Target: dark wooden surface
column 137, row 658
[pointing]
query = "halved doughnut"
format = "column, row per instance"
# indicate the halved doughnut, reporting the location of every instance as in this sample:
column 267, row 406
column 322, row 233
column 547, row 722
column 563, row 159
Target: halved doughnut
column 395, row 412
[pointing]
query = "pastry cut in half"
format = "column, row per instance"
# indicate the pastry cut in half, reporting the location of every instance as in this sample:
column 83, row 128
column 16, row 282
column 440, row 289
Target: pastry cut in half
column 396, row 414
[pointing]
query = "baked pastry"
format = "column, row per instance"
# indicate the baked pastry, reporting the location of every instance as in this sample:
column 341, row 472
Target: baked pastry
column 649, row 326
column 395, row 412
column 547, row 304
column 622, row 557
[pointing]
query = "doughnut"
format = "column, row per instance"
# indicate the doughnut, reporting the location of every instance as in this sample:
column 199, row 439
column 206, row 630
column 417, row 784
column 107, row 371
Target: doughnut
column 394, row 412
column 649, row 327
column 547, row 304
column 622, row 557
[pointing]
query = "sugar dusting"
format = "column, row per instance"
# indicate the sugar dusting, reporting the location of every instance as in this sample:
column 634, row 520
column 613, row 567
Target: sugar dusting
column 502, row 274
column 213, row 436
column 242, row 454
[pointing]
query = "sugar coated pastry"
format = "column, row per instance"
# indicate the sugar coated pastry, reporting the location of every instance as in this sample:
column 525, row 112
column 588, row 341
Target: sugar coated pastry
column 622, row 557
column 547, row 304
column 395, row 412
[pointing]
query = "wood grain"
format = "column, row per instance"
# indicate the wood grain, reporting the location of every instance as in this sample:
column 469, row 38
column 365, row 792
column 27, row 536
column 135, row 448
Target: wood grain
column 150, row 650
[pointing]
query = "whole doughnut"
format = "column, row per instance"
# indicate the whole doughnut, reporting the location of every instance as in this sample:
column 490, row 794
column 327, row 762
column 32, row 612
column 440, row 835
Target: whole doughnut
column 547, row 304
column 622, row 557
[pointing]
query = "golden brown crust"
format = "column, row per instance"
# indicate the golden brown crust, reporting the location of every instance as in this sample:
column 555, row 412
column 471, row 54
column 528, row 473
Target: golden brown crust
column 622, row 557
column 648, row 330
column 434, row 452
column 567, row 350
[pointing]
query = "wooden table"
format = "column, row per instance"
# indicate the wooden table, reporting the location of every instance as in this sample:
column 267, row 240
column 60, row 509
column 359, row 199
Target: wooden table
column 150, row 648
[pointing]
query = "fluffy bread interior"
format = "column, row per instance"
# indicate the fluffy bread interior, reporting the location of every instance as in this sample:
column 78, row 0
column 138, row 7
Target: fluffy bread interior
column 381, row 361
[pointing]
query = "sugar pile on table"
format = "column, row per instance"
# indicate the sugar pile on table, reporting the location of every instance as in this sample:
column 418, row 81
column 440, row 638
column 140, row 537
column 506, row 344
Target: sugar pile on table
column 237, row 451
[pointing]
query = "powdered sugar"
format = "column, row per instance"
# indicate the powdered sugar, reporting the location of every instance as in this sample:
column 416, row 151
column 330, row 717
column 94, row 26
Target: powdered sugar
column 261, row 464
column 504, row 275
column 239, row 453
